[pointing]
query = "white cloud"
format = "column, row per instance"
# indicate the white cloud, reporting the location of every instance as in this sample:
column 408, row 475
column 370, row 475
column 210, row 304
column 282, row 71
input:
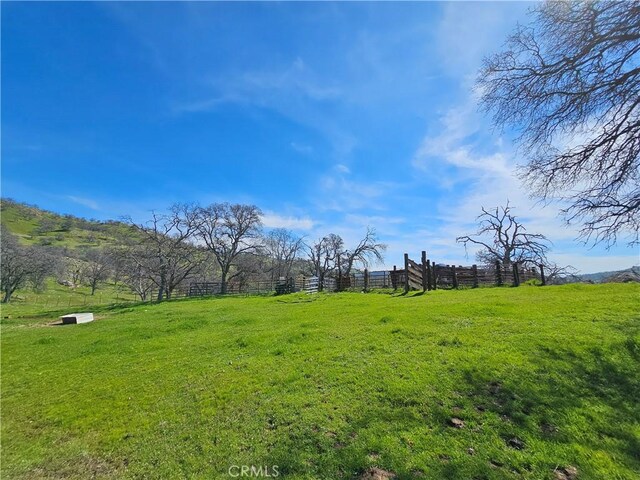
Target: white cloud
column 301, row 148
column 344, row 195
column 294, row 90
column 297, row 77
column 85, row 202
column 468, row 31
column 342, row 168
column 274, row 220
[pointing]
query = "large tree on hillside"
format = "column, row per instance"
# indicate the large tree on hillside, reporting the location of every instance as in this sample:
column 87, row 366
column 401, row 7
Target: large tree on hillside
column 570, row 83
column 228, row 231
column 502, row 237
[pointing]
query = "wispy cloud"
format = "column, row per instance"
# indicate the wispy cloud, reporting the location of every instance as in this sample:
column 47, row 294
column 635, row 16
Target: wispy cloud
column 301, row 148
column 297, row 77
column 337, row 193
column 85, row 202
column 274, row 220
column 293, row 90
column 342, row 168
column 468, row 30
column 270, row 88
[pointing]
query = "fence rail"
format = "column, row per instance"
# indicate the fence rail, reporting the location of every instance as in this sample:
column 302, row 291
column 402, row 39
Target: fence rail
column 426, row 275
column 429, row 275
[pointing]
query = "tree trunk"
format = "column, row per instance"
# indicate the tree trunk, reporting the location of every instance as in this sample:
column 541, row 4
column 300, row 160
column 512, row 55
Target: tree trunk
column 223, row 280
column 7, row 296
column 161, row 288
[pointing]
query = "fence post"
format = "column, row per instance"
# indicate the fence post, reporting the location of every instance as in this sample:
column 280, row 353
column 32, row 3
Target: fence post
column 516, row 275
column 454, row 276
column 429, row 275
column 474, row 267
column 366, row 280
column 394, row 278
column 542, row 277
column 425, row 279
column 406, row 273
column 434, row 275
column 498, row 274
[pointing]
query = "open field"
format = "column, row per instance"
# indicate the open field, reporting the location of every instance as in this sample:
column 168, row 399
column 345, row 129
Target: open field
column 59, row 297
column 327, row 386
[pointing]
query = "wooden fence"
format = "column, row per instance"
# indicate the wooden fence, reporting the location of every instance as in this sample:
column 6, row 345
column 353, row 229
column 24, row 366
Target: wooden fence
column 429, row 275
column 424, row 275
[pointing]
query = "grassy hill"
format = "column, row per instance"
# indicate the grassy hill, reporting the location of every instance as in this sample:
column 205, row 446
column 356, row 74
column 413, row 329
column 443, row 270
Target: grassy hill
column 330, row 386
column 35, row 226
column 628, row 274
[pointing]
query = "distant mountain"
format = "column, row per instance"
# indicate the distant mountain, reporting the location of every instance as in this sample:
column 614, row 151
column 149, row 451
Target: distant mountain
column 628, row 275
column 35, row 226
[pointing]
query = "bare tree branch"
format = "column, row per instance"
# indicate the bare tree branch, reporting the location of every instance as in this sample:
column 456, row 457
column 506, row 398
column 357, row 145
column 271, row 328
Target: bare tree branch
column 503, row 238
column 569, row 83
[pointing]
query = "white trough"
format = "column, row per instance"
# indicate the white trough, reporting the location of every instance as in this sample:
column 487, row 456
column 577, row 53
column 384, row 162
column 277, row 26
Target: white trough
column 77, row 318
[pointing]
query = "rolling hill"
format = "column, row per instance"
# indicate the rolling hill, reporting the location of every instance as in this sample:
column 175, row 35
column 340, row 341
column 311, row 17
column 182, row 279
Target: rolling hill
column 35, row 226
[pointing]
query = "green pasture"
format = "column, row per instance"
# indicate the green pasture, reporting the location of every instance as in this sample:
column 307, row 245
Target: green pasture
column 538, row 379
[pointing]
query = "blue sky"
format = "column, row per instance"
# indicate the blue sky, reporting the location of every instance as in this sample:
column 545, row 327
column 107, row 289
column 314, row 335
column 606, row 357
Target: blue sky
column 331, row 117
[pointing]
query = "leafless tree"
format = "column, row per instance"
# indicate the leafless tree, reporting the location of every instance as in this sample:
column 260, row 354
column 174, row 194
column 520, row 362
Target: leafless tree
column 503, row 238
column 329, row 257
column 367, row 251
column 98, row 265
column 227, row 231
column 569, row 83
column 249, row 268
column 283, row 248
column 557, row 274
column 20, row 265
column 139, row 280
column 164, row 251
column 324, row 255
column 74, row 270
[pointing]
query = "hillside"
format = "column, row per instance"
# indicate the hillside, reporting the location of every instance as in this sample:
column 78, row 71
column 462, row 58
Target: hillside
column 498, row 383
column 35, row 226
column 626, row 275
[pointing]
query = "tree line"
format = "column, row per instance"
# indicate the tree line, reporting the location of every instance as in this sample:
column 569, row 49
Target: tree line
column 221, row 242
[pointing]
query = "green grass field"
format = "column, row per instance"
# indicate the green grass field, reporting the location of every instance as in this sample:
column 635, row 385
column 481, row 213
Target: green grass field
column 328, row 386
column 59, row 297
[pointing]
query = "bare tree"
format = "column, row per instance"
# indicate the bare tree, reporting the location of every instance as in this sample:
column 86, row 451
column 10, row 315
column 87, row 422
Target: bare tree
column 20, row 265
column 164, row 252
column 283, row 248
column 98, row 266
column 324, row 255
column 368, row 250
column 228, row 231
column 569, row 84
column 249, row 268
column 503, row 238
column 557, row 274
column 137, row 279
column 73, row 271
column 329, row 257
